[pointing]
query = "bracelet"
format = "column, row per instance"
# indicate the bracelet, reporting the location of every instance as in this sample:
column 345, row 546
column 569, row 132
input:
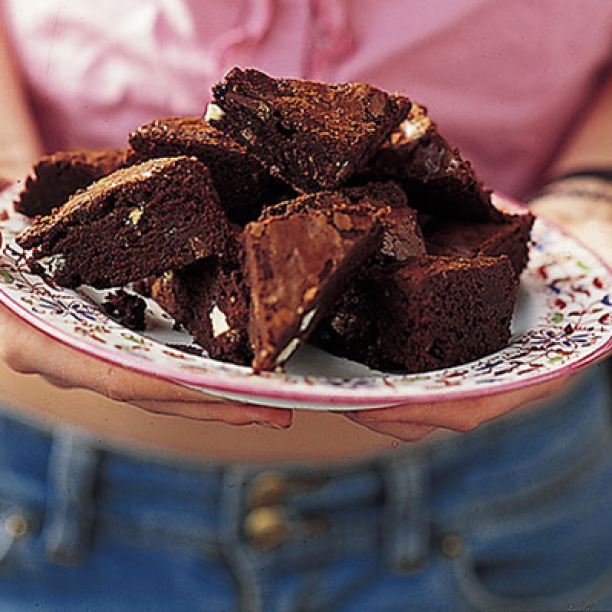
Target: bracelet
column 602, row 174
column 572, row 184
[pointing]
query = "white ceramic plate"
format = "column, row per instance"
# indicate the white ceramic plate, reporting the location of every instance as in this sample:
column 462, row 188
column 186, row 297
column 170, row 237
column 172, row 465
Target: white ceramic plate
column 562, row 322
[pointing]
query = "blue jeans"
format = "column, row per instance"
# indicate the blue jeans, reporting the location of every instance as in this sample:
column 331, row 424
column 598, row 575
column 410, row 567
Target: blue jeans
column 516, row 515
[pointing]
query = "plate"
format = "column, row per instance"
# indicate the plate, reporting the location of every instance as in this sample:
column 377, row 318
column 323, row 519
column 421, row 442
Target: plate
column 562, row 323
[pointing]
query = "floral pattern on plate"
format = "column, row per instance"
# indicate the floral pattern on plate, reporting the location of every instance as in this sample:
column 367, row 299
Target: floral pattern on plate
column 563, row 322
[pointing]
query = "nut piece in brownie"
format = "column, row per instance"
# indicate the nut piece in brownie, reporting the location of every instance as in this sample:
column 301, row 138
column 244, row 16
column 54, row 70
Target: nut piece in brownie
column 139, row 221
column 56, row 177
column 242, row 183
column 210, row 299
column 298, row 264
column 313, row 135
column 425, row 313
column 509, row 237
column 126, row 308
column 435, row 177
column 402, row 235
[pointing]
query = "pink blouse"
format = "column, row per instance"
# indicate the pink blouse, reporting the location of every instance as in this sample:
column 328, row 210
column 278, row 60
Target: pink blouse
column 505, row 80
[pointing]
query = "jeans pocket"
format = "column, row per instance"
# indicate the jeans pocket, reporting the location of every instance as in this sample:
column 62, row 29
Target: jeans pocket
column 480, row 596
column 551, row 554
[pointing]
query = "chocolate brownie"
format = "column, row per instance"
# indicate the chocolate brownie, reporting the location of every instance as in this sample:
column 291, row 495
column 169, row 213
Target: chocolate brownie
column 139, row 221
column 510, row 237
column 143, row 286
column 313, row 135
column 435, row 177
column 211, row 299
column 298, row 265
column 402, row 235
column 425, row 313
column 373, row 195
column 126, row 308
column 242, row 183
column 56, row 177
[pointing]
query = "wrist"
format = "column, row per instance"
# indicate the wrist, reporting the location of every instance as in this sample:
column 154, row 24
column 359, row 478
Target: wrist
column 603, row 173
column 581, row 203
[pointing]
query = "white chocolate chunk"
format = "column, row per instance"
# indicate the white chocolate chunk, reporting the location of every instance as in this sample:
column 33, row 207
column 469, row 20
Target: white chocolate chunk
column 307, row 320
column 218, row 321
column 417, row 126
column 288, row 351
column 213, row 113
column 53, row 263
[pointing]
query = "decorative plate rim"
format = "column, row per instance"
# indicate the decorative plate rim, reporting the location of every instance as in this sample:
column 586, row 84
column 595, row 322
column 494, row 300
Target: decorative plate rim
column 312, row 392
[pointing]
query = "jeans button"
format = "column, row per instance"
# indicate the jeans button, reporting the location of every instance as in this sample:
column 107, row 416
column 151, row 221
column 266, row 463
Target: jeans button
column 452, row 545
column 16, row 525
column 266, row 527
column 267, row 489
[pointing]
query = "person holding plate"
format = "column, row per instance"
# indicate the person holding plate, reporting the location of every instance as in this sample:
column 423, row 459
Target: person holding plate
column 124, row 491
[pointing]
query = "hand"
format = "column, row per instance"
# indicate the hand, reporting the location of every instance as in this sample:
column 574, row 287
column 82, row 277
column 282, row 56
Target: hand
column 29, row 351
column 413, row 422
column 588, row 219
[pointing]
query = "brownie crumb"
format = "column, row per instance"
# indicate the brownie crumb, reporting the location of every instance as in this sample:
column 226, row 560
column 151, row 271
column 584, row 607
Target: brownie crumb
column 127, row 309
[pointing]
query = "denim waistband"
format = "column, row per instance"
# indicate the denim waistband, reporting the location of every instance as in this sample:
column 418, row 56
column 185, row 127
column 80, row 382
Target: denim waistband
column 71, row 486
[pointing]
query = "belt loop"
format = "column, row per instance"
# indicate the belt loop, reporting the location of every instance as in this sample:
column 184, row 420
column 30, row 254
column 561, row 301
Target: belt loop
column 235, row 480
column 406, row 535
column 72, row 471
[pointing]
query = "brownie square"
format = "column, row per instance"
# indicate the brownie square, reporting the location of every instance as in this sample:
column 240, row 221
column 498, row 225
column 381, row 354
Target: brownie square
column 211, row 300
column 424, row 314
column 243, row 184
column 139, row 221
column 298, row 264
column 313, row 135
column 58, row 176
column 402, row 235
column 509, row 237
column 436, row 178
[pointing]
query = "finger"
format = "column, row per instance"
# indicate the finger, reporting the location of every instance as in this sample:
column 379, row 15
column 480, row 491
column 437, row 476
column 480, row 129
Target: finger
column 127, row 386
column 464, row 415
column 172, row 400
column 35, row 353
column 56, row 382
column 116, row 383
column 406, row 432
column 29, row 351
column 231, row 413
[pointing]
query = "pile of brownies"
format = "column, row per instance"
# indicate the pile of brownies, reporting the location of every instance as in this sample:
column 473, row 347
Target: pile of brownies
column 292, row 210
